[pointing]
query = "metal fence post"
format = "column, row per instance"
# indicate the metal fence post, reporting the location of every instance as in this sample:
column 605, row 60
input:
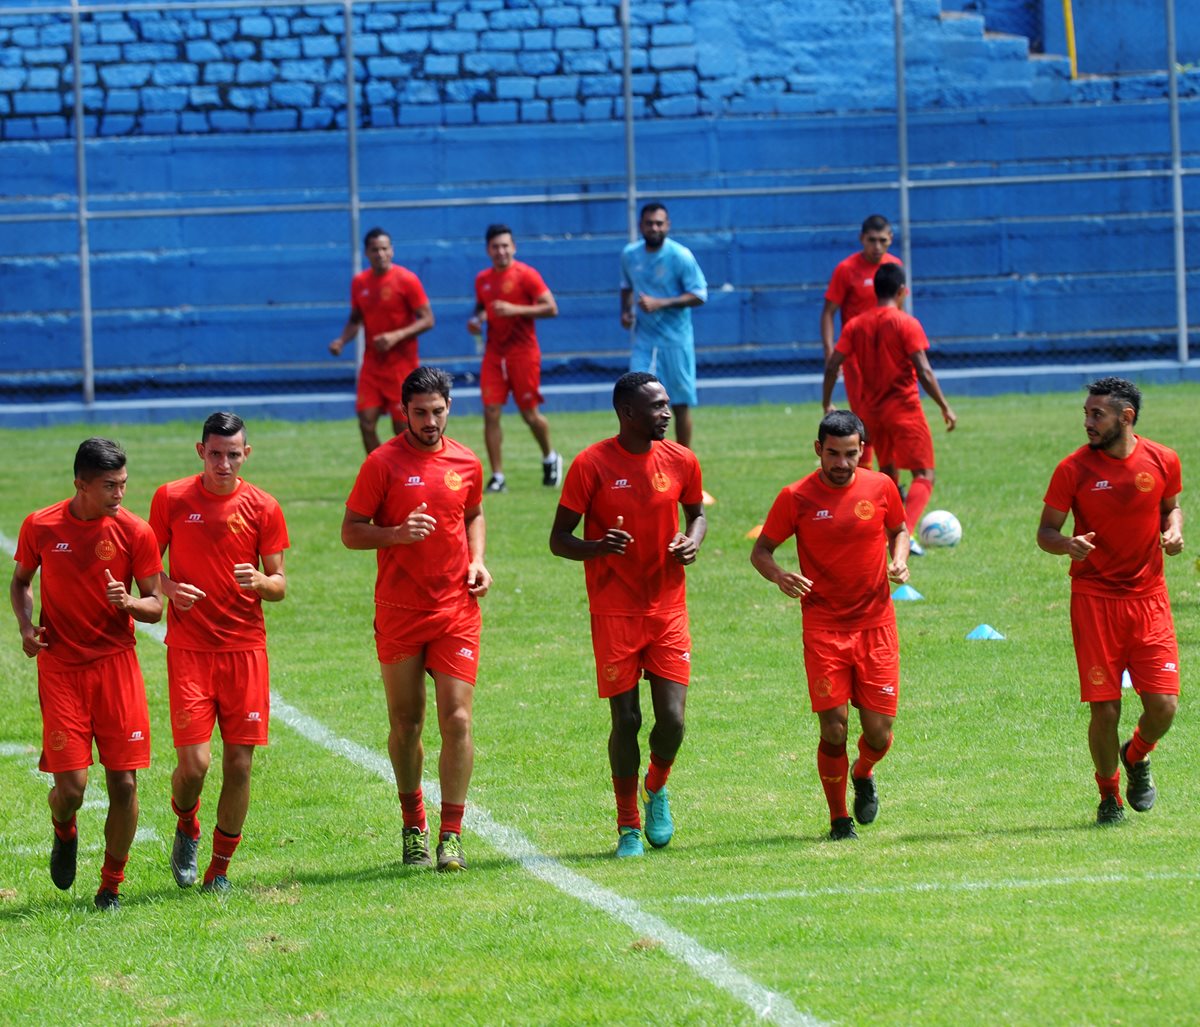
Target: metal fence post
column 630, row 155
column 902, row 149
column 1181, row 312
column 87, row 352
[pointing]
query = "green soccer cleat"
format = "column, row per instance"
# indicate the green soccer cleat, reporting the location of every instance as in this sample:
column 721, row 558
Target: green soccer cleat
column 866, row 799
column 1139, row 786
column 450, row 853
column 416, row 847
column 629, row 842
column 842, row 830
column 659, row 826
column 1110, row 812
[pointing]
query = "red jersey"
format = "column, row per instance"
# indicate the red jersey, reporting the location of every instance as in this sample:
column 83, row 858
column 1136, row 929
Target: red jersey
column 1121, row 501
column 852, row 285
column 605, row 482
column 207, row 534
column 81, row 624
column 518, row 283
column 841, row 540
column 386, row 302
column 392, row 482
column 882, row 341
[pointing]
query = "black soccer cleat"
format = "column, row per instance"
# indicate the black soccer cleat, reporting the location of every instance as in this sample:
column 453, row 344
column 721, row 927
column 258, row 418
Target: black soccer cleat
column 1139, row 783
column 1110, row 812
column 866, row 799
column 62, row 862
column 842, row 829
column 107, row 901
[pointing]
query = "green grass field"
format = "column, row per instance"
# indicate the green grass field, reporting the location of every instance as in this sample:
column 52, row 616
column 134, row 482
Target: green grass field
column 983, row 894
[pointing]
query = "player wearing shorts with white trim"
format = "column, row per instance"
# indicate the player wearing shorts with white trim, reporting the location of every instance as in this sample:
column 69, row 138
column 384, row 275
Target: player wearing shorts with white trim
column 850, row 541
column 889, row 347
column 418, row 501
column 226, row 539
column 1123, row 491
column 90, row 550
column 509, row 297
column 389, row 303
column 663, row 281
column 628, row 491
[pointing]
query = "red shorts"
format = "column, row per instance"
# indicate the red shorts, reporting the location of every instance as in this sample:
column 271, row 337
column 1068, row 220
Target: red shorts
column 902, row 439
column 379, row 385
column 857, row 667
column 518, row 372
column 1114, row 635
column 104, row 700
column 232, row 689
column 658, row 643
column 448, row 638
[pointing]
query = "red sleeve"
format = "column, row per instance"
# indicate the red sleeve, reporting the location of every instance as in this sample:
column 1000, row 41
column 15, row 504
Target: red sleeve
column 693, row 491
column 475, row 495
column 780, row 524
column 577, row 491
column 913, row 336
column 836, row 293
column 1174, row 484
column 27, row 552
column 273, row 537
column 369, row 489
column 845, row 343
column 1061, row 493
column 534, row 283
column 414, row 291
column 147, row 559
column 894, row 518
column 160, row 520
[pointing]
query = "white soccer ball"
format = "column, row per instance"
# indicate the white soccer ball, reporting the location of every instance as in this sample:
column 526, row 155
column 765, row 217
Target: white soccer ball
column 939, row 528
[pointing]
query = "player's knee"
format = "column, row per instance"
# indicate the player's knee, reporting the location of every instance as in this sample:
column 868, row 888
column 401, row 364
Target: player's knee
column 627, row 721
column 406, row 730
column 456, row 725
column 192, row 768
column 122, row 789
column 68, row 793
column 1161, row 710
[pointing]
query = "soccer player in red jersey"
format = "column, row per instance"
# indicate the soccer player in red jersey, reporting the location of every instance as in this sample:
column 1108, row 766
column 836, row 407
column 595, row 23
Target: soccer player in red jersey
column 418, row 500
column 90, row 550
column 1123, row 491
column 851, row 540
column 852, row 292
column 390, row 304
column 889, row 347
column 510, row 296
column 226, row 539
column 628, row 491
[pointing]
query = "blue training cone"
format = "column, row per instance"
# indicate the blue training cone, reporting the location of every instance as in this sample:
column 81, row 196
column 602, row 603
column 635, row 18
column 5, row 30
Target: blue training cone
column 987, row 632
column 906, row 592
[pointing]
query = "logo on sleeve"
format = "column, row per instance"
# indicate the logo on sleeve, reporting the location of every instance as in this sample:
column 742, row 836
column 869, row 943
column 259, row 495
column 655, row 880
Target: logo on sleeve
column 106, row 549
column 453, row 481
column 864, row 509
column 1144, row 481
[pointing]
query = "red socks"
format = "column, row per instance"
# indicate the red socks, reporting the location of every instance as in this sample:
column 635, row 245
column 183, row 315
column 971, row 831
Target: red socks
column 65, row 832
column 113, row 872
column 188, row 821
column 832, row 765
column 864, row 766
column 1139, row 748
column 656, row 776
column 224, row 846
column 452, row 814
column 412, row 807
column 1110, row 787
column 919, row 491
column 626, row 791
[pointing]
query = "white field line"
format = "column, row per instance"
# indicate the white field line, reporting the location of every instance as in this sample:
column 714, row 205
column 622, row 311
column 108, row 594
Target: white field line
column 921, row 887
column 143, row 834
column 707, row 964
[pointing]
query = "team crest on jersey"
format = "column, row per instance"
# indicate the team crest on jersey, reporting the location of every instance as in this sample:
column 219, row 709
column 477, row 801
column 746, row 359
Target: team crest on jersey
column 864, row 509
column 507, row 285
column 453, row 481
column 610, row 672
column 237, row 524
column 184, row 717
column 386, row 293
column 106, row 549
column 660, row 481
column 58, row 741
column 1144, row 481
column 1096, row 675
column 823, row 687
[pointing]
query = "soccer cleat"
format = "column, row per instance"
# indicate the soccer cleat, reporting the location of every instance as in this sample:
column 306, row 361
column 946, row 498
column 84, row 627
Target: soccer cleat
column 866, row 799
column 496, row 484
column 1110, row 811
column 915, row 548
column 659, row 825
column 107, row 901
column 1139, row 787
column 629, row 842
column 842, row 829
column 62, row 862
column 552, row 470
column 416, row 847
column 219, row 885
column 450, row 853
column 183, row 859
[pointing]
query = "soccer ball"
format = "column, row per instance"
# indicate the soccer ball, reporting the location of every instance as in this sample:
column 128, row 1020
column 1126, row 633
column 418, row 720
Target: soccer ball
column 939, row 528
